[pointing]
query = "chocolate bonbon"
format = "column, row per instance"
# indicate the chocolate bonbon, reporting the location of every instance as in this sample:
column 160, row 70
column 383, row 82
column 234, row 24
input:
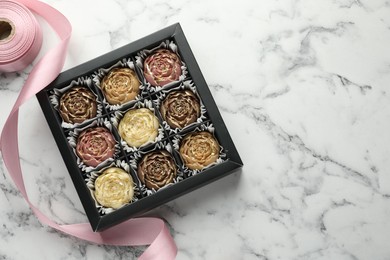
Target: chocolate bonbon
column 199, row 150
column 157, row 169
column 138, row 126
column 162, row 67
column 180, row 108
column 114, row 188
column 95, row 145
column 77, row 105
column 120, row 85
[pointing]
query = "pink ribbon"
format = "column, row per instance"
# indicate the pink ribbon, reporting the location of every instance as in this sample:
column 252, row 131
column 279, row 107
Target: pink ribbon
column 21, row 46
column 134, row 232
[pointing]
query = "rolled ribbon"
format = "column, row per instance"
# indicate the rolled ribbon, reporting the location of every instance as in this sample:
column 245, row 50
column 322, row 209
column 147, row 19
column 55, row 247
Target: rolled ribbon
column 20, row 36
column 133, row 232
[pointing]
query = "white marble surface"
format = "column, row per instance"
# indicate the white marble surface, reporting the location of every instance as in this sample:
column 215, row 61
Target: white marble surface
column 303, row 87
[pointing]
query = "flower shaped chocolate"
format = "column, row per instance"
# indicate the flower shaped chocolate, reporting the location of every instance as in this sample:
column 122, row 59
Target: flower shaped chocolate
column 156, row 169
column 138, row 126
column 120, row 85
column 95, row 145
column 114, row 188
column 162, row 67
column 77, row 105
column 199, row 150
column 180, row 108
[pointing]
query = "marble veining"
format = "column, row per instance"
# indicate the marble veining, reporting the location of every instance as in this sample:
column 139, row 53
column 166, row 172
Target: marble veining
column 303, row 88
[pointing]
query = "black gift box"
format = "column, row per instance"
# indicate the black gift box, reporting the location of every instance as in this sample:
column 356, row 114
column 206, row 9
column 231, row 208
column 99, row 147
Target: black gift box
column 189, row 180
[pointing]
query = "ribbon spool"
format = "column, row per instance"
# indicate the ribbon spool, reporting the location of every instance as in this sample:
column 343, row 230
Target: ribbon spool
column 20, row 36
